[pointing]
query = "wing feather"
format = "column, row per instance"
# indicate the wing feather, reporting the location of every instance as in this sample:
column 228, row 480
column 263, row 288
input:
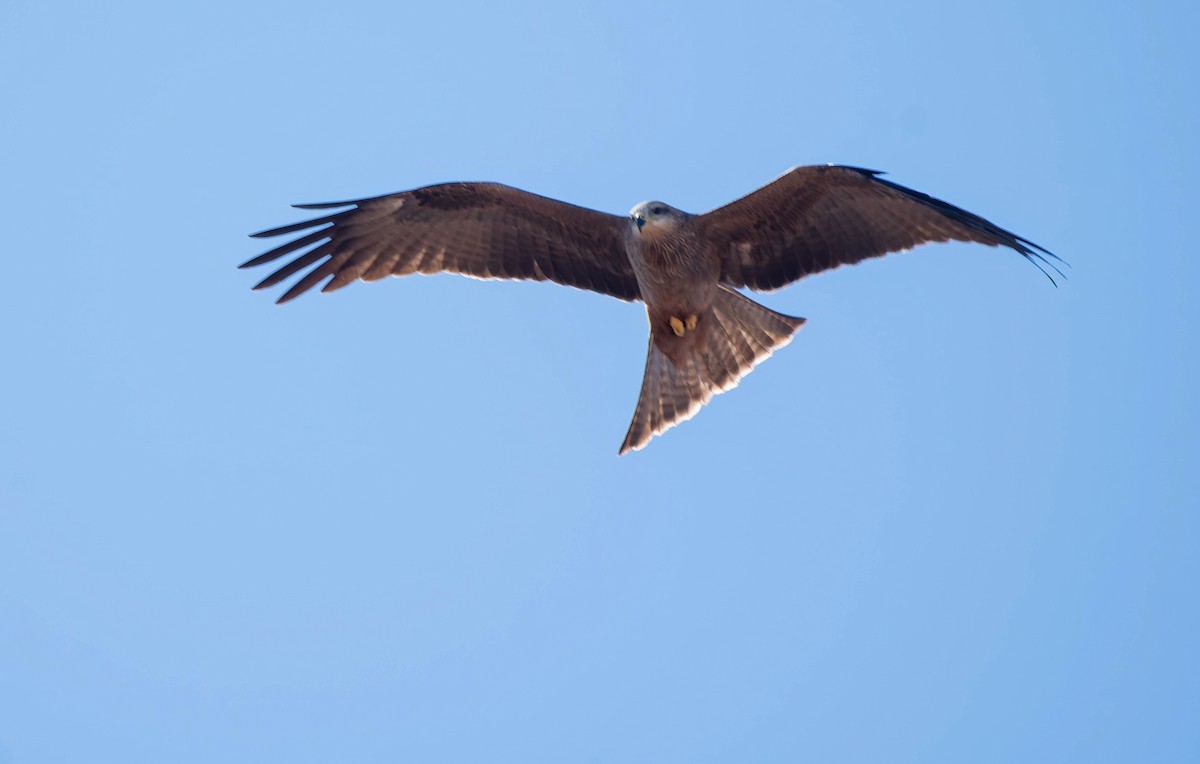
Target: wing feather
column 286, row 249
column 483, row 230
column 299, row 264
column 815, row 218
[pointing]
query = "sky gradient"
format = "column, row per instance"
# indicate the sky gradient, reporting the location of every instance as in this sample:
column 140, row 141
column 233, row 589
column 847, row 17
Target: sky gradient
column 955, row 520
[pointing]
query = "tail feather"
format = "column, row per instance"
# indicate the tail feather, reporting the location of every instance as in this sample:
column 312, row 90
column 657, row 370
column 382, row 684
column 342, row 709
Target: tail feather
column 682, row 373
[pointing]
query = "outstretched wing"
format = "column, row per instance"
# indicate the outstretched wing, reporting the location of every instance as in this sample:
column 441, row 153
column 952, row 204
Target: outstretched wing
column 814, row 218
column 484, row 230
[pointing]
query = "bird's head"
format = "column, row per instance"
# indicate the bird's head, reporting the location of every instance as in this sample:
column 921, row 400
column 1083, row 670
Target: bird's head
column 657, row 215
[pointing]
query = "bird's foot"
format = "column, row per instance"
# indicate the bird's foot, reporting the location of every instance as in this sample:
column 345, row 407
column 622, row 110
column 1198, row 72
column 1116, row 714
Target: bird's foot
column 683, row 325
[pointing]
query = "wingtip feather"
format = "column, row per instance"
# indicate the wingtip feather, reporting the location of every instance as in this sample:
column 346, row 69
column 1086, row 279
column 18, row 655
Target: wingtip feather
column 326, row 205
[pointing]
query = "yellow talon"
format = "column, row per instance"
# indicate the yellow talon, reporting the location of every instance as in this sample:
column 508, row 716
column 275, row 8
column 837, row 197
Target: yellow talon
column 691, row 322
column 677, row 326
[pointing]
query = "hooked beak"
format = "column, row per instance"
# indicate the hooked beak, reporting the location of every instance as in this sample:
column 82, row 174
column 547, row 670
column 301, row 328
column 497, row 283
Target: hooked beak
column 641, row 221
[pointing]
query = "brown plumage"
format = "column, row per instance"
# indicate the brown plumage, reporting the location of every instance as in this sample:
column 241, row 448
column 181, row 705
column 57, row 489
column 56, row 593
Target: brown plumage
column 704, row 336
column 484, row 230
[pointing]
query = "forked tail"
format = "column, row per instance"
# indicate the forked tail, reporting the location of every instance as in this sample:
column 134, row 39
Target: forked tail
column 688, row 364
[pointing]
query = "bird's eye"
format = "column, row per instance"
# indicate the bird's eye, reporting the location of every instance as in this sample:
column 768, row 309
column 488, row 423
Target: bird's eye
column 657, row 210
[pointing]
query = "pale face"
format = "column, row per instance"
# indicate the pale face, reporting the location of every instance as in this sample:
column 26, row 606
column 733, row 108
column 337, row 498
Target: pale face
column 656, row 215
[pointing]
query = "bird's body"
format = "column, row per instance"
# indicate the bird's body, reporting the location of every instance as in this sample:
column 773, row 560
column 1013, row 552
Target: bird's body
column 677, row 273
column 704, row 335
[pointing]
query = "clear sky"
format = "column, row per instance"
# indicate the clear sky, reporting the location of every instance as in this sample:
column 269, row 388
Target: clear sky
column 955, row 520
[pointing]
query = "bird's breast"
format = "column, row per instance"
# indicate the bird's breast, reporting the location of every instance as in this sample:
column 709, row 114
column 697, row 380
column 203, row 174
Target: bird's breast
column 674, row 269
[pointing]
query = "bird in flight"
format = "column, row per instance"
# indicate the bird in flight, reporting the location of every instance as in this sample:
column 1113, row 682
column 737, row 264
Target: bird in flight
column 704, row 335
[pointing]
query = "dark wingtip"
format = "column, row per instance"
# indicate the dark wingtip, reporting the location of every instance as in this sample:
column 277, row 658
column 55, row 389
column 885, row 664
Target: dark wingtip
column 1045, row 273
column 301, row 226
column 865, row 171
column 1034, row 253
column 326, row 205
column 1040, row 257
column 292, row 293
column 289, row 295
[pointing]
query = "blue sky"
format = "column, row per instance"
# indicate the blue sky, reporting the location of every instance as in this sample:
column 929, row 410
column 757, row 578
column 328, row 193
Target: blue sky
column 955, row 520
